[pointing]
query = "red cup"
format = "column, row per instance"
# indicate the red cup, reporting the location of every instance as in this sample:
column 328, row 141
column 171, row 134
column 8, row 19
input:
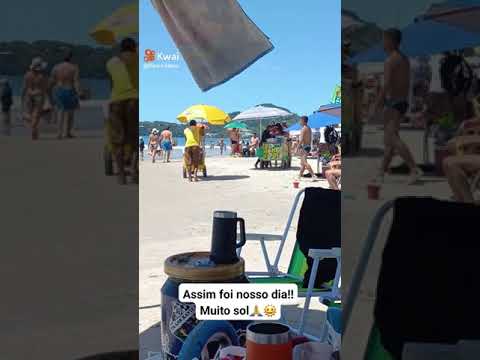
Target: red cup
column 373, row 191
column 270, row 341
column 296, row 184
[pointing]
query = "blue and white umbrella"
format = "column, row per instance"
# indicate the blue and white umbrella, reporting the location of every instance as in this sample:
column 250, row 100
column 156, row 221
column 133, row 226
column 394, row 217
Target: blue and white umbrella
column 422, row 38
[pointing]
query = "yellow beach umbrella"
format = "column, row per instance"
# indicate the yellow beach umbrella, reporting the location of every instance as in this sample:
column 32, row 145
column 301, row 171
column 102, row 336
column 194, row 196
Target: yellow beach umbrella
column 121, row 23
column 211, row 114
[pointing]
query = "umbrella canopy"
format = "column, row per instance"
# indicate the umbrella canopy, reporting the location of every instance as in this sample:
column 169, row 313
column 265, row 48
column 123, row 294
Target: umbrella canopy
column 123, row 22
column 235, row 125
column 464, row 14
column 424, row 38
column 262, row 112
column 211, row 114
column 331, row 109
column 318, row 120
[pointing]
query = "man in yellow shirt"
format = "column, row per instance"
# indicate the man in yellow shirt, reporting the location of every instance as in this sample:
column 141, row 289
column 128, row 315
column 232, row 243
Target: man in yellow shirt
column 123, row 70
column 193, row 139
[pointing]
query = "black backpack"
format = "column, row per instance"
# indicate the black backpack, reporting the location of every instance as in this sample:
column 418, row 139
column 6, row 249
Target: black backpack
column 456, row 75
column 331, row 135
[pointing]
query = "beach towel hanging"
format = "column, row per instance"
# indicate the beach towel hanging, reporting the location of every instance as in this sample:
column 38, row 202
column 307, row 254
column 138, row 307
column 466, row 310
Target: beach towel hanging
column 216, row 38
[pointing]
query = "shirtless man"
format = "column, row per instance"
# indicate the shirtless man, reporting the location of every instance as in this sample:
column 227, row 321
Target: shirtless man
column 393, row 99
column 34, row 93
column 305, row 147
column 166, row 140
column 65, row 88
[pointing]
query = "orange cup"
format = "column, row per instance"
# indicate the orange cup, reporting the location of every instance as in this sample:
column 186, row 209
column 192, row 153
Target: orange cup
column 269, row 341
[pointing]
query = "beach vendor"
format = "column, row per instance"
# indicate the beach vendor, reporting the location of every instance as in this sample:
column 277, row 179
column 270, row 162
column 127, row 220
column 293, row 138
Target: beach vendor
column 123, row 71
column 193, row 139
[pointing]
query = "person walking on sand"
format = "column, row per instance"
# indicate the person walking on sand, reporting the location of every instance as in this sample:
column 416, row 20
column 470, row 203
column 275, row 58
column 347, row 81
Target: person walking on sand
column 166, row 140
column 123, row 71
column 141, row 147
column 153, row 144
column 34, row 94
column 193, row 135
column 305, row 147
column 393, row 99
column 65, row 90
column 6, row 101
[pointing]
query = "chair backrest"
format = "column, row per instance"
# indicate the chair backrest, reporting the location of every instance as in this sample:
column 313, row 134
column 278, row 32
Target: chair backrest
column 319, row 227
column 430, row 257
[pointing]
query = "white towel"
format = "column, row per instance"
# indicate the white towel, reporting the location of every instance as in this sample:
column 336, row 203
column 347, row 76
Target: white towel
column 216, row 38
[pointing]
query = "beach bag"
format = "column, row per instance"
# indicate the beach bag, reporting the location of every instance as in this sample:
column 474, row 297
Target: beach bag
column 456, row 75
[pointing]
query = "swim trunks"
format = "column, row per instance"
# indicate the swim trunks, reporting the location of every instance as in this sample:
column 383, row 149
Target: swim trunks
column 400, row 105
column 167, row 145
column 66, row 98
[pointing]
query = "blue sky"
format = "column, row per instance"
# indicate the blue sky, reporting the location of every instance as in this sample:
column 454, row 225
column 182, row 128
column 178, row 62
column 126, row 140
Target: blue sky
column 299, row 74
column 59, row 20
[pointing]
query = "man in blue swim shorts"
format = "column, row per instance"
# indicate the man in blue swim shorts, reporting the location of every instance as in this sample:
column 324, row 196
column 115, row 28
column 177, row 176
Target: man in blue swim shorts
column 166, row 139
column 65, row 87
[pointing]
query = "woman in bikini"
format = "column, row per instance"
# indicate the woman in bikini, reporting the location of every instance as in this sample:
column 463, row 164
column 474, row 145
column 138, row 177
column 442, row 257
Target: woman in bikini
column 34, row 94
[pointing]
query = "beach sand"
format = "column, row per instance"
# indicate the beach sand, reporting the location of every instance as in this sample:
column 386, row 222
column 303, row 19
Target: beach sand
column 176, row 217
column 63, row 264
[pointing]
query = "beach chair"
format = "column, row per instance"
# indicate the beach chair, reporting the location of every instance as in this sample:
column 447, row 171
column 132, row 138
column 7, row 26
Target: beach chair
column 298, row 269
column 415, row 300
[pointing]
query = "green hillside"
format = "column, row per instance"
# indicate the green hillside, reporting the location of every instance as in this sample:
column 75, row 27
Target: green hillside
column 214, row 131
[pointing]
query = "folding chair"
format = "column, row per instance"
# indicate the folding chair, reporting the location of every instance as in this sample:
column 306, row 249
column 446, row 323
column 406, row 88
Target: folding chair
column 298, row 263
column 449, row 218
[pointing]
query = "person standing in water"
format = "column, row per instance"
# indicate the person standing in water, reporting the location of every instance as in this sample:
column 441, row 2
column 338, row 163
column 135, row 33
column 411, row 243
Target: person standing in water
column 166, row 140
column 141, row 147
column 34, row 94
column 123, row 71
column 65, row 88
column 305, row 147
column 393, row 101
column 222, row 145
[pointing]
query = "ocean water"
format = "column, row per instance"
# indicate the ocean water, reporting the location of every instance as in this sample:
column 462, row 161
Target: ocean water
column 177, row 152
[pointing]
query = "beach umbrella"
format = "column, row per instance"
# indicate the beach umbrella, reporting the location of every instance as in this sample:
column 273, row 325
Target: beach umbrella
column 318, row 120
column 209, row 113
column 461, row 13
column 235, row 125
column 121, row 23
column 261, row 112
column 424, row 38
column 331, row 109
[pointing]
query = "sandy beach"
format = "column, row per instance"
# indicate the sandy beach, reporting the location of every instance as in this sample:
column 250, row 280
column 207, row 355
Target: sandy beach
column 64, row 258
column 176, row 217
